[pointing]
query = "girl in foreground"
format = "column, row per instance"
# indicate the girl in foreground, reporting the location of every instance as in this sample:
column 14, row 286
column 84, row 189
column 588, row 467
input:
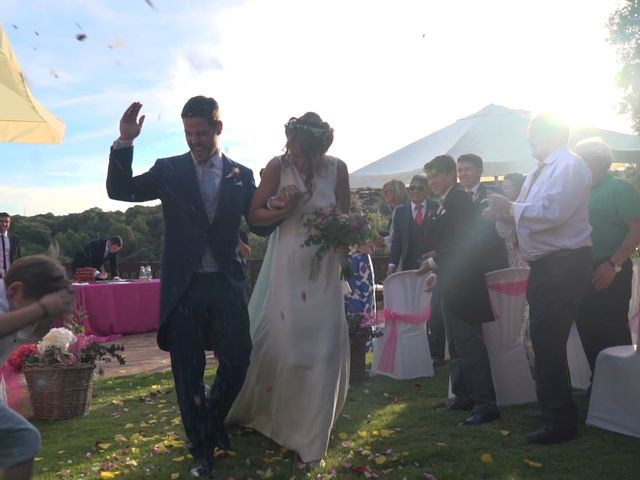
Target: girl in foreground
column 33, row 293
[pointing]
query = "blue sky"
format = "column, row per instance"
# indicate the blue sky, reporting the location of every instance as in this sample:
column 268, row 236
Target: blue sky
column 382, row 73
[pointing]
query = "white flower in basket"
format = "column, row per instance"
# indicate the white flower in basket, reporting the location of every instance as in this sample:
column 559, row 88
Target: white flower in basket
column 57, row 337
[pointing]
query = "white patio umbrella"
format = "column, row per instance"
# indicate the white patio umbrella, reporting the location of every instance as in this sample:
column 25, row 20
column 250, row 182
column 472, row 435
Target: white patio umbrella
column 22, row 118
column 498, row 134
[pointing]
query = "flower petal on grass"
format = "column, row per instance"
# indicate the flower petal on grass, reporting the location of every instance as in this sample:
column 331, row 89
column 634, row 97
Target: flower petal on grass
column 486, row 458
column 343, row 436
column 532, row 464
column 504, row 433
column 108, row 475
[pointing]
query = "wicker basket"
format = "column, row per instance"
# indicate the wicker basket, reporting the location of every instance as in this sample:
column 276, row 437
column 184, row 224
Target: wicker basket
column 59, row 392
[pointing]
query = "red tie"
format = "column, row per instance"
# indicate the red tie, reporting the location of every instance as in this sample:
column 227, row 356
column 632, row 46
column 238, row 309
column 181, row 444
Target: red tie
column 419, row 214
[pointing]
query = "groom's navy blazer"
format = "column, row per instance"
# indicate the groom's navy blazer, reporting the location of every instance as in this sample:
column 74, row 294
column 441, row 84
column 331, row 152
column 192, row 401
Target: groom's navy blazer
column 187, row 229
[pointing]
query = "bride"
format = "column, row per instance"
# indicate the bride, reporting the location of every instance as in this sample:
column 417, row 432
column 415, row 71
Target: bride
column 297, row 381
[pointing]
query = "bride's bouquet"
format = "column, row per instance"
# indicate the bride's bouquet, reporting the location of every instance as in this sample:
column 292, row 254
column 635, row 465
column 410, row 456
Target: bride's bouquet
column 335, row 231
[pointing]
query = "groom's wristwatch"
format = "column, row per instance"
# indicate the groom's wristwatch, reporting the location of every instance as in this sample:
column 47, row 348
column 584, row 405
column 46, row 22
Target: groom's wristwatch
column 616, row 268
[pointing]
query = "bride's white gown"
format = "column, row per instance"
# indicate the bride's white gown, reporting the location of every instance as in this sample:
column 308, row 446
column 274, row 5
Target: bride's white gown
column 298, row 377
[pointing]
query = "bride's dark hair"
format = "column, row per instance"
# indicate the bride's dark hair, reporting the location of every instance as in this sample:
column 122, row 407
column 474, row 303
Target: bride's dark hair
column 314, row 138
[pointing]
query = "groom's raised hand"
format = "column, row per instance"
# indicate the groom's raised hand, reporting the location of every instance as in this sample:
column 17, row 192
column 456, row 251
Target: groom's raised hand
column 130, row 126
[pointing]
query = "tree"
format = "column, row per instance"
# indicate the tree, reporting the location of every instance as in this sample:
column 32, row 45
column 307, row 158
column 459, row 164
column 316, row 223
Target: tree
column 624, row 31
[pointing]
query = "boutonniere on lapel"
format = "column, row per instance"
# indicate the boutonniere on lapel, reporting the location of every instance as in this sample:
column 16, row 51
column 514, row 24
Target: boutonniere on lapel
column 234, row 174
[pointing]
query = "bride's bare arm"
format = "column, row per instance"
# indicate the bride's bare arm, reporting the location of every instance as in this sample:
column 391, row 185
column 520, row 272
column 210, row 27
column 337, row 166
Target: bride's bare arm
column 267, row 206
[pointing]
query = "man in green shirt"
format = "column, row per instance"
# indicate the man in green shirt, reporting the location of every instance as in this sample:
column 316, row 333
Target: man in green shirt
column 614, row 214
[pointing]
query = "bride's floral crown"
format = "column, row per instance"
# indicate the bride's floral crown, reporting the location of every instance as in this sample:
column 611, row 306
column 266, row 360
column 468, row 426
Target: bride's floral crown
column 296, row 125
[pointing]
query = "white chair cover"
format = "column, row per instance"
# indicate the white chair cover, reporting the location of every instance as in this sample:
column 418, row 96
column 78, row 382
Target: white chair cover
column 503, row 337
column 579, row 369
column 404, row 295
column 3, row 391
column 615, row 394
column 634, row 304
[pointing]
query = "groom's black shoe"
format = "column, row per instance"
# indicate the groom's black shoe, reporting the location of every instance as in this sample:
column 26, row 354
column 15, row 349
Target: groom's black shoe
column 202, row 467
column 479, row 418
column 459, row 405
column 220, row 440
column 556, row 434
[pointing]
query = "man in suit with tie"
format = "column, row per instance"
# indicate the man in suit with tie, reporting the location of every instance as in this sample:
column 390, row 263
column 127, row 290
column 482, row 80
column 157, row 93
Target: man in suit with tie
column 10, row 244
column 98, row 252
column 465, row 299
column 412, row 236
column 202, row 300
column 413, row 228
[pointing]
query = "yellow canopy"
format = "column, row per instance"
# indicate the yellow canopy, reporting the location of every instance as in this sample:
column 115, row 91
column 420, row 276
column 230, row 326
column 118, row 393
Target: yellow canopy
column 22, row 118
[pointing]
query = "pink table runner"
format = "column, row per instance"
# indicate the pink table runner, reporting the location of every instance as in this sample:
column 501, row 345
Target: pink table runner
column 119, row 308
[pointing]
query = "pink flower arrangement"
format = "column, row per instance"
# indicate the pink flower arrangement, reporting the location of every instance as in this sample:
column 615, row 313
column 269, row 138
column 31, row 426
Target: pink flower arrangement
column 62, row 347
column 17, row 358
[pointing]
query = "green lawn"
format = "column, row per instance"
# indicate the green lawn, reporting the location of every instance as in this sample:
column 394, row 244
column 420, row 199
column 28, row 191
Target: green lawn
column 388, row 429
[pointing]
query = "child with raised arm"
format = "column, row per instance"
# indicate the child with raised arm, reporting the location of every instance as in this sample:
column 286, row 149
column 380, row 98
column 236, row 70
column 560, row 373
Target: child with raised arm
column 34, row 292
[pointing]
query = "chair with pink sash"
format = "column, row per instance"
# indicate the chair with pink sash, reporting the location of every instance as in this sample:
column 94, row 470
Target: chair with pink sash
column 503, row 337
column 403, row 351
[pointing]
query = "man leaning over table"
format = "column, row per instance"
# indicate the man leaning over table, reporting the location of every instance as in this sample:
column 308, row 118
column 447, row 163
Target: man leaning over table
column 98, row 252
column 614, row 214
column 551, row 219
column 202, row 300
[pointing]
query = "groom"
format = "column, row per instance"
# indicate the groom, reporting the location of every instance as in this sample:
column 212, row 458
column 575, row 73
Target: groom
column 202, row 302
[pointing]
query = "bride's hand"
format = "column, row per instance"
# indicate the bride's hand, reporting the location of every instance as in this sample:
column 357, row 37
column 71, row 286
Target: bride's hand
column 290, row 196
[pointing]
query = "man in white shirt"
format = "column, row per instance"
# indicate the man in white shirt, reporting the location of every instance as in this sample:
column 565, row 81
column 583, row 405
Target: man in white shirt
column 551, row 218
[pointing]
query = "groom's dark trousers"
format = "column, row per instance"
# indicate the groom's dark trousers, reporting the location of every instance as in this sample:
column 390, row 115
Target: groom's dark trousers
column 211, row 315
